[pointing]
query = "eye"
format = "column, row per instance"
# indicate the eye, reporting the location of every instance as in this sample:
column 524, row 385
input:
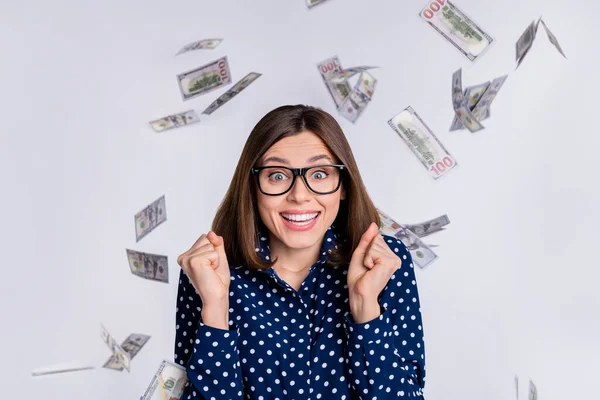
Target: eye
column 319, row 175
column 277, row 176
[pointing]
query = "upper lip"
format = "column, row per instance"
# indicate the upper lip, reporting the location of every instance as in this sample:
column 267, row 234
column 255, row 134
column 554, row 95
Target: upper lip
column 299, row 212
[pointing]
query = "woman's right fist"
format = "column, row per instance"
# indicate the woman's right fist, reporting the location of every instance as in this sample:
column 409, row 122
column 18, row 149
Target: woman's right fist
column 205, row 263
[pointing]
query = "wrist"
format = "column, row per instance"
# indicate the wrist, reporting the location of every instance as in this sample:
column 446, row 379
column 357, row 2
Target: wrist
column 365, row 311
column 216, row 315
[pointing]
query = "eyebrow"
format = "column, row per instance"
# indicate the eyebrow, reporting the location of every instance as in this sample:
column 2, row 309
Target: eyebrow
column 310, row 160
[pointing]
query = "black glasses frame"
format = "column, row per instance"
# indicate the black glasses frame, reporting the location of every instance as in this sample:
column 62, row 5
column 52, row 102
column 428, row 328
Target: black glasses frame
column 298, row 172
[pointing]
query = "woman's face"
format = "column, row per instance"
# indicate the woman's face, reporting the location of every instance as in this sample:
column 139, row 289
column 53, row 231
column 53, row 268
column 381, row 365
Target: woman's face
column 296, row 152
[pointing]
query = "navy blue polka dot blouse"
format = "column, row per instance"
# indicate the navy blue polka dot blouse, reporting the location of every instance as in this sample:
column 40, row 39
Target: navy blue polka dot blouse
column 287, row 344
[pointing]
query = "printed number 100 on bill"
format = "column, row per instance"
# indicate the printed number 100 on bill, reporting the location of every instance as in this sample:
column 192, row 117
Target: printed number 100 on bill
column 456, row 27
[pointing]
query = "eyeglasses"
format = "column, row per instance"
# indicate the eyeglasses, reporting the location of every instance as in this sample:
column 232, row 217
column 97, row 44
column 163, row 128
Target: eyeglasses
column 278, row 180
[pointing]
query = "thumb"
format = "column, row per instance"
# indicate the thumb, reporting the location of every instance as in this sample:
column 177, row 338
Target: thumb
column 218, row 242
column 366, row 239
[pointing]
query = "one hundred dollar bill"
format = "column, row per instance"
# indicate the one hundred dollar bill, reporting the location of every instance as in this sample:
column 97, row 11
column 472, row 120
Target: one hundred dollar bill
column 527, row 38
column 426, row 228
column 200, row 44
column 456, row 124
column 312, row 3
column 350, row 102
column 150, row 217
column 204, row 79
column 472, row 96
column 232, row 92
column 356, row 102
column 153, row 267
column 175, row 121
column 423, row 143
column 121, row 356
column 482, row 108
column 478, row 99
column 113, row 363
column 168, row 383
column 132, row 345
column 421, row 254
column 457, row 28
column 353, row 106
column 366, row 85
column 460, row 106
column 346, row 74
column 474, row 93
column 338, row 91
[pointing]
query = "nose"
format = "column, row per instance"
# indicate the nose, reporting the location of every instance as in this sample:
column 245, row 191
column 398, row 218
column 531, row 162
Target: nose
column 299, row 191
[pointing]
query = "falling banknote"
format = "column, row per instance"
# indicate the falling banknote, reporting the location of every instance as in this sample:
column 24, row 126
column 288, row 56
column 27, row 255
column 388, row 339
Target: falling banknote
column 428, row 227
column 204, row 79
column 421, row 254
column 132, row 345
column 167, row 383
column 472, row 96
column 423, row 143
column 175, row 121
column 312, row 3
column 526, row 40
column 356, row 102
column 122, row 358
column 329, row 69
column 153, row 267
column 482, row 108
column 351, row 102
column 461, row 109
column 348, row 73
column 457, row 28
column 150, row 217
column 232, row 92
column 473, row 105
column 200, row 44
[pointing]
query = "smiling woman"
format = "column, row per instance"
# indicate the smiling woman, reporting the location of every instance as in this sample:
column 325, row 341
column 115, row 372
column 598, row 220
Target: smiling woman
column 294, row 292
column 292, row 136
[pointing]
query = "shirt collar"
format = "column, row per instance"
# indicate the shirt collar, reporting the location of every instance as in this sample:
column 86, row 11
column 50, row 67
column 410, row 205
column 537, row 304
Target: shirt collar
column 330, row 241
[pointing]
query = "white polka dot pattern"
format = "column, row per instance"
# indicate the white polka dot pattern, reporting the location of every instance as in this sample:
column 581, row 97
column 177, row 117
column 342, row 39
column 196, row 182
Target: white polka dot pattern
column 287, row 344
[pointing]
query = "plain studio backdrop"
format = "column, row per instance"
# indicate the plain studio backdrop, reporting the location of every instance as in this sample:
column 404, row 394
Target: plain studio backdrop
column 514, row 288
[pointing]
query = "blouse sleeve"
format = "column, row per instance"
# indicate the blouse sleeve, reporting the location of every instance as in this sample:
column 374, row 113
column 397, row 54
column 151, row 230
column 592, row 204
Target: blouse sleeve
column 386, row 356
column 210, row 355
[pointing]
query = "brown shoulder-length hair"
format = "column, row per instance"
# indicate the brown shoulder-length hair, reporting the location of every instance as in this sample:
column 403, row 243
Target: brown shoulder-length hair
column 237, row 219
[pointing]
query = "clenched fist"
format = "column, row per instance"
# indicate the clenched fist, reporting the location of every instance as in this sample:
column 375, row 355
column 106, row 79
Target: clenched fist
column 205, row 263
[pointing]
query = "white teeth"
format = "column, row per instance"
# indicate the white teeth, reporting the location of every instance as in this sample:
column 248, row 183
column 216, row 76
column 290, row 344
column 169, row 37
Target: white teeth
column 299, row 217
column 303, row 223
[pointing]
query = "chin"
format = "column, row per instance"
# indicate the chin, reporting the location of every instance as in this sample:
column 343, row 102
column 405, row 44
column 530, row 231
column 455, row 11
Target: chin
column 302, row 239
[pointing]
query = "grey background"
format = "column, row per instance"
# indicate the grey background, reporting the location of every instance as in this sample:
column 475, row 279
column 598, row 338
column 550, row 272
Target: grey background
column 514, row 290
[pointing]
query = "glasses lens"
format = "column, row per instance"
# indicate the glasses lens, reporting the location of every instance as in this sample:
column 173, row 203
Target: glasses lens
column 323, row 179
column 276, row 180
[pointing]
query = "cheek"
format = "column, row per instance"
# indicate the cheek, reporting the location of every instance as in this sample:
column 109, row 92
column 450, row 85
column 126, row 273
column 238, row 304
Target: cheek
column 266, row 206
column 332, row 205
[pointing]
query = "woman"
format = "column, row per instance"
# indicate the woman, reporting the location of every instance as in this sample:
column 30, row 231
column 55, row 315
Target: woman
column 294, row 294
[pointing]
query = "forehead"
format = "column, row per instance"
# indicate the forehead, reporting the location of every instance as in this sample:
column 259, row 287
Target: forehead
column 298, row 149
